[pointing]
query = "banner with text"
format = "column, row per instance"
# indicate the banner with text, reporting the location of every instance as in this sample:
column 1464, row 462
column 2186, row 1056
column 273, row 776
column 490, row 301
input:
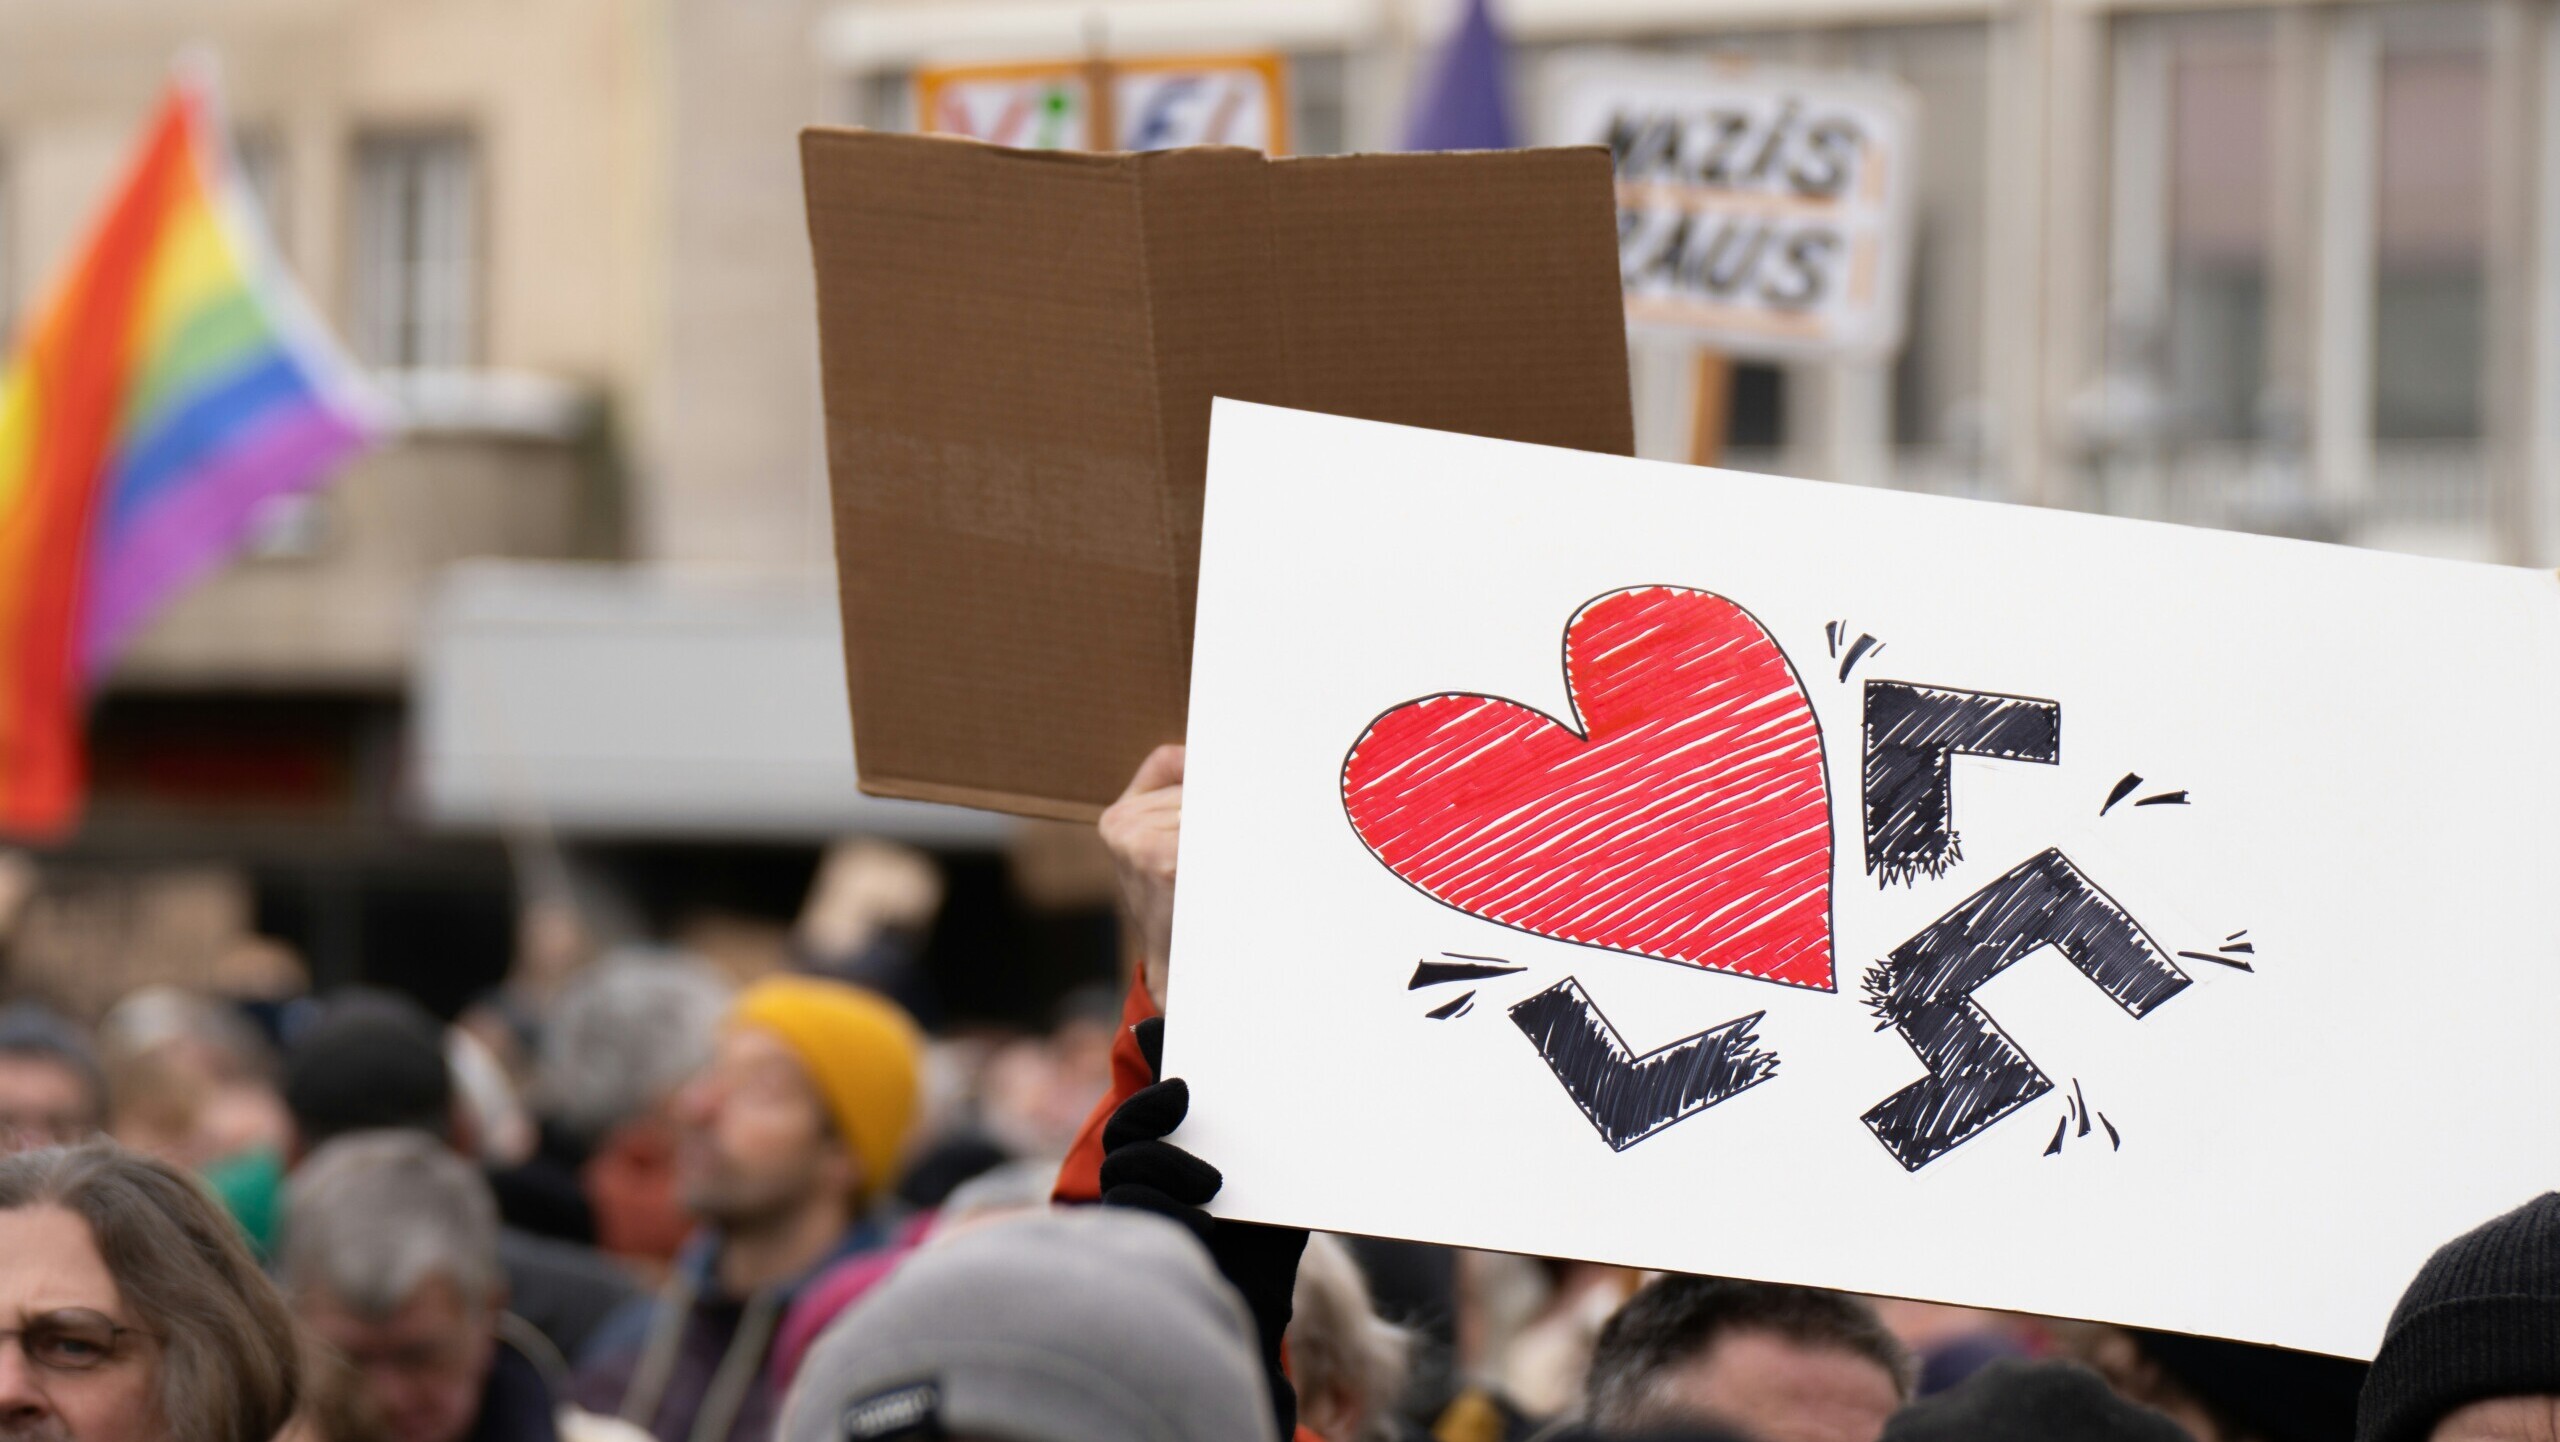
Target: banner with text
column 1765, row 213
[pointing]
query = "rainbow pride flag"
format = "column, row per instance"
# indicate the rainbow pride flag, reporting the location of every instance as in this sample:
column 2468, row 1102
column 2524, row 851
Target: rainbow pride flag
column 172, row 384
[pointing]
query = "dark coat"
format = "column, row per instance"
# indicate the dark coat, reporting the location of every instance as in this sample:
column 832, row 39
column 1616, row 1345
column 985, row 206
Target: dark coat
column 660, row 1367
column 516, row 1405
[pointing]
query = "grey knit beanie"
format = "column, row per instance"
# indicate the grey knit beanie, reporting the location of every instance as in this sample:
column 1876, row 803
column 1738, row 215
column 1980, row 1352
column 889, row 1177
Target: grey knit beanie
column 2480, row 1321
column 1091, row 1324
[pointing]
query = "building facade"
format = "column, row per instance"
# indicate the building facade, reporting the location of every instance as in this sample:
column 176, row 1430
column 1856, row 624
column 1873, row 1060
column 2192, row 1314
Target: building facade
column 2290, row 265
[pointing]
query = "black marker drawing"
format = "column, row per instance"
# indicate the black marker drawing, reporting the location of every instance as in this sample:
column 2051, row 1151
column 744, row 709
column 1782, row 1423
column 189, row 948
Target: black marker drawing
column 1857, row 650
column 1470, row 968
column 2076, row 1108
column 1628, row 1097
column 2232, row 962
column 1465, row 1003
column 1913, row 735
column 1833, row 631
column 1977, row 1075
column 2122, row 790
column 2165, row 798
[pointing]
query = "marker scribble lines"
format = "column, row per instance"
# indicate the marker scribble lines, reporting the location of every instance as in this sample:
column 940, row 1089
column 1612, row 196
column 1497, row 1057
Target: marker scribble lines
column 2076, row 1109
column 1682, row 813
column 1976, row 1073
column 2122, row 789
column 1464, row 968
column 1913, row 735
column 1626, row 1097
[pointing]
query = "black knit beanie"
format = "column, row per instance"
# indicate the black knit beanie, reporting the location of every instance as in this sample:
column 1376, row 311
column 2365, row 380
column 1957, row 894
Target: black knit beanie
column 2266, row 1392
column 2482, row 1320
column 2014, row 1401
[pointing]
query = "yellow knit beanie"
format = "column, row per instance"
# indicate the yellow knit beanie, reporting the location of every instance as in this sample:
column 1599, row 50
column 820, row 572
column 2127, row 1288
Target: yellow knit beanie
column 860, row 1049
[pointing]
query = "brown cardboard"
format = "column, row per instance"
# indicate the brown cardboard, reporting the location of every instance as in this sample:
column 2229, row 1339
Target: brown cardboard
column 1019, row 350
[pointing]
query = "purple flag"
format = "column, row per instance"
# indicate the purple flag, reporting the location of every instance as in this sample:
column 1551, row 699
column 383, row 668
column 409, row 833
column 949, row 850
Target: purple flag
column 1467, row 103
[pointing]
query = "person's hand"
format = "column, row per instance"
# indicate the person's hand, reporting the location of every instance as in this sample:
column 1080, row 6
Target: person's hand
column 865, row 887
column 1143, row 1171
column 1143, row 830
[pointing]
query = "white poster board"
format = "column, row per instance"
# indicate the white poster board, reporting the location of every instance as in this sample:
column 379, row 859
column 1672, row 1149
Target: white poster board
column 2213, row 871
column 1761, row 212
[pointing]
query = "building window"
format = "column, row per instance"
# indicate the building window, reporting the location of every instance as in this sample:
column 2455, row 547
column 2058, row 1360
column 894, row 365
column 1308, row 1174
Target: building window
column 416, row 257
column 2430, row 301
column 261, row 154
column 2221, row 166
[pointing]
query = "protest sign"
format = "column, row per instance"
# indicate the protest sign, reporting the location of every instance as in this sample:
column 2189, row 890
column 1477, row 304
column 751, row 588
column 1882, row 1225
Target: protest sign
column 1761, row 212
column 1018, row 351
column 1686, row 869
column 1156, row 103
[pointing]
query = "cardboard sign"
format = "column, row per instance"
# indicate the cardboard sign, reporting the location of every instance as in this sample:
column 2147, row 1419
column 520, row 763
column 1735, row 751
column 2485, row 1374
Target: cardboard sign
column 1157, row 103
column 1018, row 353
column 1762, row 212
column 1923, row 897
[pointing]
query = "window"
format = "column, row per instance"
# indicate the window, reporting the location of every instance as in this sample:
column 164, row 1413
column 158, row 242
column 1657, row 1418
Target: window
column 262, row 165
column 2430, row 289
column 416, row 254
column 2214, row 343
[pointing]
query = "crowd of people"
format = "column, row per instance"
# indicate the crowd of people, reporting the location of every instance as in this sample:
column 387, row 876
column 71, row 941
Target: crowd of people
column 654, row 1202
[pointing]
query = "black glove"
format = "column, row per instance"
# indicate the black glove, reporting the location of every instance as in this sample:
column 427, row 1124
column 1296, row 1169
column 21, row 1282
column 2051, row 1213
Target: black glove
column 1141, row 1169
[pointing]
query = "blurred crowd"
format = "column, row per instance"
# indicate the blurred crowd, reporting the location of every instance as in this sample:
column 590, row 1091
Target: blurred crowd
column 632, row 1195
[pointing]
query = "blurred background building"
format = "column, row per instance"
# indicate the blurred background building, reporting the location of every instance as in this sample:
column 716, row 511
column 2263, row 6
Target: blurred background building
column 2291, row 267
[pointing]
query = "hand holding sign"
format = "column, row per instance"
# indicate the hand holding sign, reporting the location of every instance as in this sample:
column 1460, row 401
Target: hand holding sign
column 1143, row 831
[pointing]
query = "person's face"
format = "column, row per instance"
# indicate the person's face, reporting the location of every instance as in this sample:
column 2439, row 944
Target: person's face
column 69, row 1390
column 2502, row 1419
column 423, row 1366
column 1777, row 1390
column 630, row 1183
column 753, row 1141
column 42, row 1104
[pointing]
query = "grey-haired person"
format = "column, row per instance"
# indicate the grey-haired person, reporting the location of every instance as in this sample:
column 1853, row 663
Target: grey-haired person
column 391, row 1259
column 130, row 1310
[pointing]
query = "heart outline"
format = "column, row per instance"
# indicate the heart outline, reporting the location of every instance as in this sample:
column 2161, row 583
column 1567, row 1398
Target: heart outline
column 1577, row 726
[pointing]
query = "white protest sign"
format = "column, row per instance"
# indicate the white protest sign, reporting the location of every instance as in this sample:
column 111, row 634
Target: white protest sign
column 1712, row 872
column 1157, row 103
column 1761, row 212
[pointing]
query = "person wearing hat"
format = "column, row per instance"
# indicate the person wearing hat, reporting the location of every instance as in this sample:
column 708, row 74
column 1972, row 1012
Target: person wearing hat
column 2014, row 1400
column 2225, row 1391
column 2472, row 1353
column 1090, row 1324
column 785, row 1141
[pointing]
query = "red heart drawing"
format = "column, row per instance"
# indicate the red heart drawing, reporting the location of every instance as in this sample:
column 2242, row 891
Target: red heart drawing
column 1688, row 820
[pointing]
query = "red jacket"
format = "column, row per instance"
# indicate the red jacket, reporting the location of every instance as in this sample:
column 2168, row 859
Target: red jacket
column 1080, row 1177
